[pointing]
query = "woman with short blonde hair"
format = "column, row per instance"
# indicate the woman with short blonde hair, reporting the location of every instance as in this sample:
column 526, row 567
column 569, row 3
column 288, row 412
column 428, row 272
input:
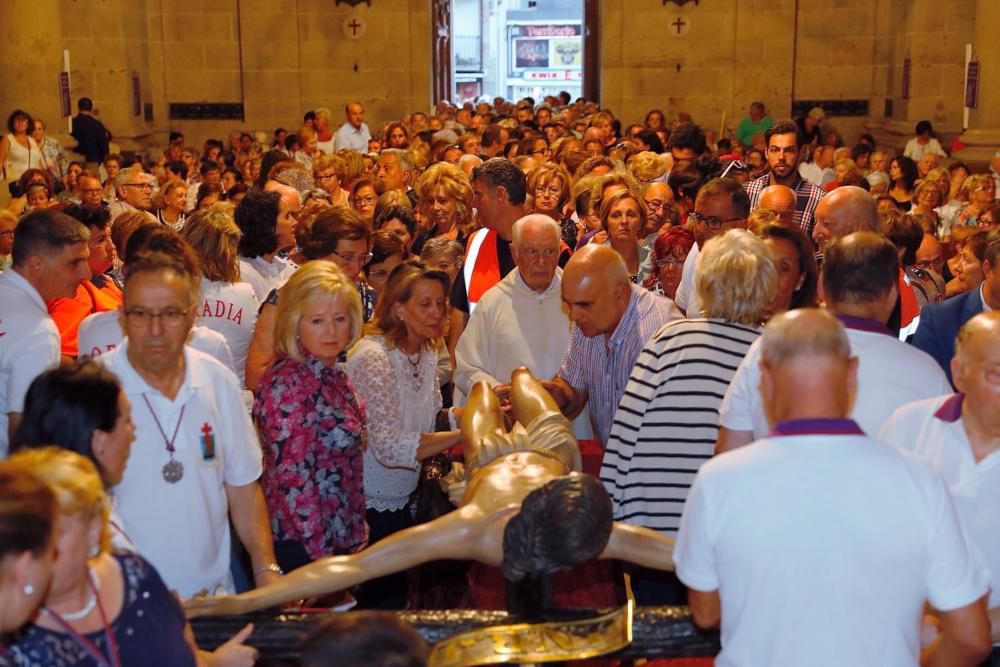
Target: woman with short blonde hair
column 445, row 197
column 316, row 280
column 646, row 166
column 330, row 173
column 736, row 278
column 117, row 599
column 312, row 424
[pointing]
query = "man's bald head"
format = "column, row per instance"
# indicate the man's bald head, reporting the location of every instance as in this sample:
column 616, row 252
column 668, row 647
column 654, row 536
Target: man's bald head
column 596, row 289
column 780, row 199
column 847, row 209
column 806, row 367
column 289, row 195
column 596, row 262
column 975, row 370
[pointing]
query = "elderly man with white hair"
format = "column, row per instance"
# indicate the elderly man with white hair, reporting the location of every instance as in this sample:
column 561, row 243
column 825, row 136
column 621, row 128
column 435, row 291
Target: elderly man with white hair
column 521, row 320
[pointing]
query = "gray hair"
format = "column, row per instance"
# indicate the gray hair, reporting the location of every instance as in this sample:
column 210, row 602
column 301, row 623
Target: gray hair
column 534, row 218
column 736, row 278
column 404, row 159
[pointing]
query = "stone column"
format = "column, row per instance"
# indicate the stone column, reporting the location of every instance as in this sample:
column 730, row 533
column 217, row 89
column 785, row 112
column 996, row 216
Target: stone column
column 982, row 139
column 31, row 49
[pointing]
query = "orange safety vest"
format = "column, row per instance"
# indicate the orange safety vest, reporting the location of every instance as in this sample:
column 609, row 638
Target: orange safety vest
column 482, row 265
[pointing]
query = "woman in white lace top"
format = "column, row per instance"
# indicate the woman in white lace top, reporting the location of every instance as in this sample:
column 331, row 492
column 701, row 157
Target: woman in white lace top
column 395, row 370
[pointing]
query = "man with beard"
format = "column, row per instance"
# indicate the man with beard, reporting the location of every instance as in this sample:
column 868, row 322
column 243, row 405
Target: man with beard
column 783, row 157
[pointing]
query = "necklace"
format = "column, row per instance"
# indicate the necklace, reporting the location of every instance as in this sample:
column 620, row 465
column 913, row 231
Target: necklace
column 112, row 659
column 173, row 469
column 415, row 365
column 87, row 608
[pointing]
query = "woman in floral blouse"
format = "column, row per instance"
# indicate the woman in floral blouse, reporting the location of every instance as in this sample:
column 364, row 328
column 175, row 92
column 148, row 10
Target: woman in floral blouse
column 312, row 423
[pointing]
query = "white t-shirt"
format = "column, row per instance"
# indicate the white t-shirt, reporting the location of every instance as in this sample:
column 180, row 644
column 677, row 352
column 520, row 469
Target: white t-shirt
column 100, row 333
column 230, row 309
column 890, row 374
column 686, row 297
column 932, row 432
column 265, row 276
column 29, row 344
column 183, row 528
column 824, row 548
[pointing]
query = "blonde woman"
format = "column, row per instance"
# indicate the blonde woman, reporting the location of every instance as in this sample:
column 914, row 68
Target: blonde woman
column 445, row 197
column 312, row 424
column 330, row 174
column 227, row 305
column 101, row 608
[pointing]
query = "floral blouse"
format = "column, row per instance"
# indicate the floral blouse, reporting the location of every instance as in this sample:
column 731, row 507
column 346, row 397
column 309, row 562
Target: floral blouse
column 312, row 428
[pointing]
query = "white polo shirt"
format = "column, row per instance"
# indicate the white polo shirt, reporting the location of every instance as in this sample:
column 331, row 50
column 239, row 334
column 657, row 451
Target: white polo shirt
column 29, row 344
column 890, row 374
column 183, row 528
column 932, row 432
column 823, row 547
column 230, row 309
column 100, row 333
column 265, row 276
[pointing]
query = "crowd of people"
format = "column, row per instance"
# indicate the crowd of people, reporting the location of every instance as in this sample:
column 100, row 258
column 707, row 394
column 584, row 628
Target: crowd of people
column 273, row 336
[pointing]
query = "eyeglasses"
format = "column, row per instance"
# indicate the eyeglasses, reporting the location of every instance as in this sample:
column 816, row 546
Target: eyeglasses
column 656, row 204
column 551, row 190
column 542, row 151
column 447, row 266
column 668, row 261
column 326, row 177
column 141, row 186
column 712, row 222
column 366, row 201
column 141, row 318
column 351, row 258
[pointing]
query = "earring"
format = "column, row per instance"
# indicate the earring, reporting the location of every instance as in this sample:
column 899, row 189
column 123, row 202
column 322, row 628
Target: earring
column 95, row 551
column 29, row 590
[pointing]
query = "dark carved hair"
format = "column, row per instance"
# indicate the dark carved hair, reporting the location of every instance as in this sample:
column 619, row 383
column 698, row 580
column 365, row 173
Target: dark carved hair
column 330, row 227
column 908, row 171
column 501, row 171
column 564, row 523
column 65, row 405
column 728, row 187
column 805, row 296
column 257, row 218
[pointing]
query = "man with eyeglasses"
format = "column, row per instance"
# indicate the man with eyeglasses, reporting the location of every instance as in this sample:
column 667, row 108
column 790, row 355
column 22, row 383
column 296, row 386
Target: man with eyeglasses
column 722, row 204
column 91, row 191
column 659, row 200
column 782, row 146
column 49, row 261
column 196, row 458
column 134, row 188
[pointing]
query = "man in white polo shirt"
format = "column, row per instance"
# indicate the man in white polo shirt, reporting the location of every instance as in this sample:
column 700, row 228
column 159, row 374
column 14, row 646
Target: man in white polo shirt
column 859, row 284
column 197, row 459
column 815, row 546
column 49, row 262
column 958, row 437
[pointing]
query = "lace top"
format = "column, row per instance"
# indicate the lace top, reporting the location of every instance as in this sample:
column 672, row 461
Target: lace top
column 402, row 401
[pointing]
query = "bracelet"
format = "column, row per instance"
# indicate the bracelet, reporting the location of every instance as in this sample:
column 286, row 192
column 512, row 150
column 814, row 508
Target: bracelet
column 268, row 567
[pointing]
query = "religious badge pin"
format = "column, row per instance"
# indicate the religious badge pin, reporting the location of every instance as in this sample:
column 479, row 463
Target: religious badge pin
column 207, row 439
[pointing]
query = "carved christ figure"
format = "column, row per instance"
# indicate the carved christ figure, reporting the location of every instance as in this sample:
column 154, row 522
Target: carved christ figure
column 523, row 504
